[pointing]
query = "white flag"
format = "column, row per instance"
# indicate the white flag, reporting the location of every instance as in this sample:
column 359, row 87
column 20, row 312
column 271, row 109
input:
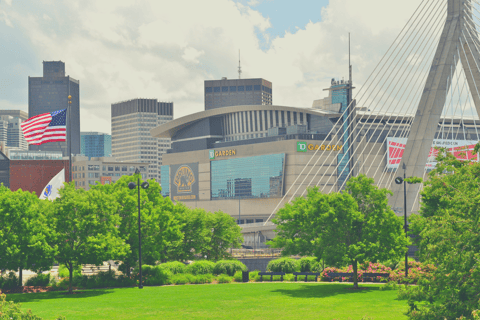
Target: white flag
column 50, row 192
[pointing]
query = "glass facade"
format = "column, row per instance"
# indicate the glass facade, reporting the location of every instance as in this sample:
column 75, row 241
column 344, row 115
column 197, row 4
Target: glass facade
column 165, row 180
column 250, row 177
column 95, row 144
column 340, row 95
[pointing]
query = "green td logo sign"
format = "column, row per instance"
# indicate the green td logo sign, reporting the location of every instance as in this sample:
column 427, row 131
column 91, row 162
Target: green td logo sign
column 211, row 154
column 301, row 146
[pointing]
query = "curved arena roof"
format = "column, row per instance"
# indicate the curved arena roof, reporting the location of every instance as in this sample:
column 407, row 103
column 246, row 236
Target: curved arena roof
column 169, row 129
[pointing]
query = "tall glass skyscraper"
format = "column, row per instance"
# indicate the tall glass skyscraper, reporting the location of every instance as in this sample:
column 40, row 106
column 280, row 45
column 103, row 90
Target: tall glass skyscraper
column 237, row 92
column 95, row 144
column 50, row 93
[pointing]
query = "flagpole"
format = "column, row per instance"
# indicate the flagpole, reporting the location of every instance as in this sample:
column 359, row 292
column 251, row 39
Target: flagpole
column 69, row 139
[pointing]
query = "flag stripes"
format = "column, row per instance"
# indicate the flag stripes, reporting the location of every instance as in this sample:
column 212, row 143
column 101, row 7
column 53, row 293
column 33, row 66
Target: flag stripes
column 46, row 127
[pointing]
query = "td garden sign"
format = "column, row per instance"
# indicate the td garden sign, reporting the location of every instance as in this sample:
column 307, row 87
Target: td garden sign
column 304, row 147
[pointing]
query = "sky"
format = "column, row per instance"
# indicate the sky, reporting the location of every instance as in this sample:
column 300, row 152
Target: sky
column 126, row 49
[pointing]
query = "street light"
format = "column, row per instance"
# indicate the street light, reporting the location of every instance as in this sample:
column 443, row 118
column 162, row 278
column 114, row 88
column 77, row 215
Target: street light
column 132, row 186
column 400, row 180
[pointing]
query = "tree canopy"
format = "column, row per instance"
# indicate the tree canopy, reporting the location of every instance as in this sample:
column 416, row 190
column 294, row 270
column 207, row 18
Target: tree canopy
column 352, row 226
column 448, row 229
column 25, row 235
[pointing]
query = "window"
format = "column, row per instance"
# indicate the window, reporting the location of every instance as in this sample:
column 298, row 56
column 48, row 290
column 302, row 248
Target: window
column 256, row 87
column 132, row 169
column 258, row 220
column 224, row 89
column 249, row 177
column 118, row 174
column 83, row 175
column 216, row 89
column 241, row 88
column 104, row 168
column 124, row 168
column 248, row 88
column 233, row 88
column 117, row 168
column 110, row 168
column 208, row 90
column 249, row 220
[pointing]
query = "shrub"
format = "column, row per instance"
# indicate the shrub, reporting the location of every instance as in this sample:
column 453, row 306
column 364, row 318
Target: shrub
column 416, row 272
column 153, row 275
column 390, row 285
column 224, row 278
column 39, row 280
column 201, row 267
column 309, row 264
column 238, row 277
column 179, row 278
column 289, row 277
column 9, row 282
column 64, row 273
column 253, row 275
column 203, row 278
column 229, row 267
column 174, row 267
column 287, row 265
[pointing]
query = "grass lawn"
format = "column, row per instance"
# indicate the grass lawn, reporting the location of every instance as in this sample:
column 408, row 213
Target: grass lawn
column 222, row 301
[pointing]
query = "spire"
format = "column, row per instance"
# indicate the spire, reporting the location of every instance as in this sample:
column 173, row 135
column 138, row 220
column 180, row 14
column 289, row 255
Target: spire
column 239, row 66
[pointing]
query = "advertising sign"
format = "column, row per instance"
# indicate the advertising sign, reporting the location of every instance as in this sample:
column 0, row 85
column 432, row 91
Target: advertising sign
column 461, row 149
column 106, row 180
column 302, row 146
column 184, row 181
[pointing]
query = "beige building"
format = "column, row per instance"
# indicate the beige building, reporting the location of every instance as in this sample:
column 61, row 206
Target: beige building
column 103, row 170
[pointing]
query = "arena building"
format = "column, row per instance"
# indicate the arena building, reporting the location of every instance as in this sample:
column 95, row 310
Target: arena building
column 249, row 160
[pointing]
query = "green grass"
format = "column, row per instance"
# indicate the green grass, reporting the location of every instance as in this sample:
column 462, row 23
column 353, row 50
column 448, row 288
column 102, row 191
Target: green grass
column 232, row 301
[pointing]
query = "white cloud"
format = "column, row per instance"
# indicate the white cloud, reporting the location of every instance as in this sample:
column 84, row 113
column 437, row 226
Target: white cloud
column 155, row 49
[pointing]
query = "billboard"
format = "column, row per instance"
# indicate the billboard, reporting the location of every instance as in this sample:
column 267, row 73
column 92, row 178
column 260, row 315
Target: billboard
column 461, row 149
column 106, row 180
column 184, row 181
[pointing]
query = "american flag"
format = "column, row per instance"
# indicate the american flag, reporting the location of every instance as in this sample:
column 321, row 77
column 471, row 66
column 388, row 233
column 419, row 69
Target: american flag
column 46, row 127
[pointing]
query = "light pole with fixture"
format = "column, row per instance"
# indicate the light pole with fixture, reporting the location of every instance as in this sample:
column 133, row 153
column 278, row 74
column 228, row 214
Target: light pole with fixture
column 400, row 180
column 132, row 186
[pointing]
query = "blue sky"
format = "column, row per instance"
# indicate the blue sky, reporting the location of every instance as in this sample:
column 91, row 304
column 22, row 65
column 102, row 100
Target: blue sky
column 286, row 15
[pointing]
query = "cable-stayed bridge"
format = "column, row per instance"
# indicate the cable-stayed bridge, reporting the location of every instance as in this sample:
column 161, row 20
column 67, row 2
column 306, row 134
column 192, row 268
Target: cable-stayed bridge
column 425, row 92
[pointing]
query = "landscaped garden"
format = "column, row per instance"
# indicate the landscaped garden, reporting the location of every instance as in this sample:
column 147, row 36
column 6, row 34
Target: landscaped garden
column 222, row 301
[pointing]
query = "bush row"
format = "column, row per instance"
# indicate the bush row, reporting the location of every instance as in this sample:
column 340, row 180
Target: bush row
column 289, row 265
column 416, row 271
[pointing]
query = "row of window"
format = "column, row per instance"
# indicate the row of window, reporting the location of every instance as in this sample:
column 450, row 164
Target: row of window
column 94, row 167
column 238, row 89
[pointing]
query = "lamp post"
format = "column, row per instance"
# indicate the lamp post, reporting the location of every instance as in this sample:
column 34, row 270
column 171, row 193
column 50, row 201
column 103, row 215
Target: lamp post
column 132, row 186
column 69, row 138
column 400, row 180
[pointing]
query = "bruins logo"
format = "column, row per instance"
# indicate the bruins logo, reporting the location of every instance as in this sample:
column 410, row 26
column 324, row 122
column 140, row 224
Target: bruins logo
column 184, row 179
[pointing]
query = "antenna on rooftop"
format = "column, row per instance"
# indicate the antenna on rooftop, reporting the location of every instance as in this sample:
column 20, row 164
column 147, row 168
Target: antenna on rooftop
column 239, row 67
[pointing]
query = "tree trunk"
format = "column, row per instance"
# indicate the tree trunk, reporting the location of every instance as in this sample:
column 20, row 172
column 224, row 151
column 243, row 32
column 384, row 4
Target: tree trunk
column 70, row 270
column 355, row 278
column 20, row 277
column 127, row 269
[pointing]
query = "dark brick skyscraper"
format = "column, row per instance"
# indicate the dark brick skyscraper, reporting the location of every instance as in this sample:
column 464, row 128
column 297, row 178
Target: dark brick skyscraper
column 49, row 93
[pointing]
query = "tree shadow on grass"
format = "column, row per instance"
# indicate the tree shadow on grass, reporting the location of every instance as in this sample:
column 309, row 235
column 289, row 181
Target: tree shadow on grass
column 320, row 291
column 33, row 297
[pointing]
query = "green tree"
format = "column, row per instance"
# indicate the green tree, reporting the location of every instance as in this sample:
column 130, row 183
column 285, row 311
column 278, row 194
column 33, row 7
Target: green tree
column 160, row 231
column 24, row 232
column 196, row 235
column 85, row 225
column 225, row 234
column 448, row 226
column 349, row 227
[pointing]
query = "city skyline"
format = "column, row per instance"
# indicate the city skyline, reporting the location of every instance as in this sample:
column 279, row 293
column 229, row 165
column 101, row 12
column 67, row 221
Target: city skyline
column 297, row 49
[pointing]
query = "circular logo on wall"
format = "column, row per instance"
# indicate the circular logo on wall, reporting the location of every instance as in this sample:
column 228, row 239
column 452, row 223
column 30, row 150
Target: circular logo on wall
column 184, row 179
column 47, row 191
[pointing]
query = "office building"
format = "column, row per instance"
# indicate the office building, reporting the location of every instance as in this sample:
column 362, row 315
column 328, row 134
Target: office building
column 50, row 93
column 237, row 92
column 95, row 144
column 10, row 131
column 88, row 171
column 132, row 121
